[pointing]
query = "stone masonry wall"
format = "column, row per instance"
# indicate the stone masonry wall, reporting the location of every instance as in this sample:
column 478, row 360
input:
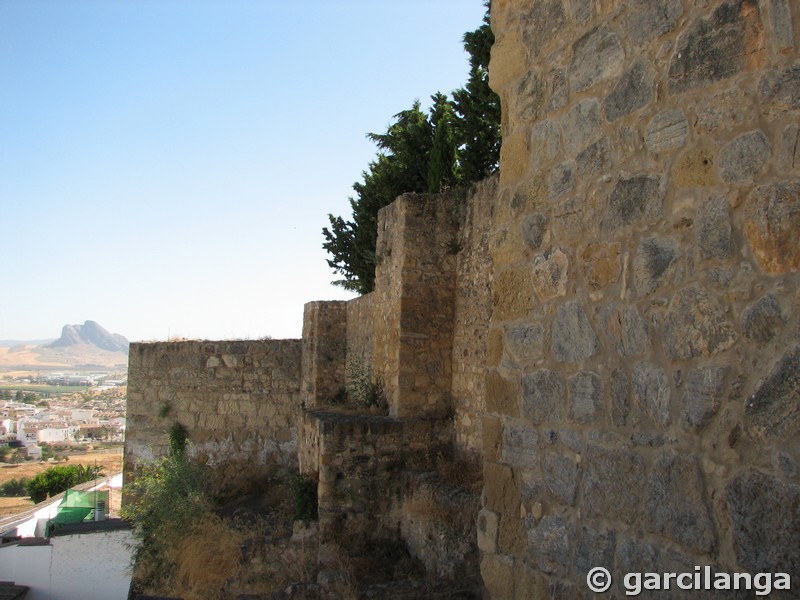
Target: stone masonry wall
column 644, row 351
column 238, row 400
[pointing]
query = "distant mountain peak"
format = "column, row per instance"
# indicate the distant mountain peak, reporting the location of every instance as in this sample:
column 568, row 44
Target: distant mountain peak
column 92, row 333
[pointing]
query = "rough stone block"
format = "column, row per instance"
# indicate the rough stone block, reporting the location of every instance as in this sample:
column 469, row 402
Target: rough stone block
column 651, row 18
column 541, row 22
column 561, row 180
column 497, row 572
column 512, row 295
column 494, row 347
column 779, row 91
column 534, row 227
column 633, row 91
column 584, row 392
column 549, row 274
column 561, row 477
column 595, row 159
column 695, row 168
column 764, row 515
column 620, row 405
column 519, row 448
column 783, row 35
column 542, row 396
column 667, row 130
column 501, row 395
column 634, row 556
column 653, row 262
column 574, row 339
column 597, row 56
column 491, row 437
column 716, row 48
column 601, row 263
column 694, row 326
column 559, row 92
column 772, row 226
column 514, row 156
column 625, row 329
column 612, row 484
column 721, row 111
column 546, row 139
column 526, row 344
column 773, row 410
column 702, row 396
column 580, row 124
column 635, row 198
column 508, row 61
column 763, row 320
column 550, row 545
column 744, row 157
column 714, row 228
column 526, row 100
column 788, row 150
column 595, row 549
column 676, row 502
column 499, row 488
column 651, row 390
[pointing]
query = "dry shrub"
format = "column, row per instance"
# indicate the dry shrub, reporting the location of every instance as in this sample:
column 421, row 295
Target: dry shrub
column 205, row 558
column 464, row 469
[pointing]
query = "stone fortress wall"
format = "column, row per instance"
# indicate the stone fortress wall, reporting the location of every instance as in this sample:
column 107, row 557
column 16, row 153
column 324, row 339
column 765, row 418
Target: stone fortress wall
column 612, row 327
column 644, row 351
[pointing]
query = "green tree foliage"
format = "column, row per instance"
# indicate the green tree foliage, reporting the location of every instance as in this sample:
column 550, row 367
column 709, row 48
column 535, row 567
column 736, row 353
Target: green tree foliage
column 58, row 479
column 14, row 487
column 455, row 144
column 478, row 109
column 166, row 498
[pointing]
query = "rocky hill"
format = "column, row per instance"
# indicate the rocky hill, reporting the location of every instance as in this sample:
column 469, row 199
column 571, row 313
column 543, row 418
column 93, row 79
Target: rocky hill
column 90, row 333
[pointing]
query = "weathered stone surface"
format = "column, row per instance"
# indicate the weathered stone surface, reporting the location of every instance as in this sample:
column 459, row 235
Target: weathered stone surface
column 595, row 159
column 652, row 391
column 633, row 91
column 550, row 545
column 542, row 396
column 789, row 149
column 765, row 519
column 595, row 549
column 580, row 124
column 527, row 100
column 501, row 395
column 612, row 484
column 666, row 130
column 541, row 22
column 721, row 111
column 702, row 396
column 561, row 477
column 654, row 257
column 501, row 489
column 718, row 47
column 620, row 404
column 634, row 556
column 601, row 263
column 561, row 180
column 779, row 91
column 774, row 408
column 507, row 61
column 650, row 18
column 546, row 138
column 549, row 274
column 584, row 392
column 526, row 344
column 714, row 228
column 763, row 320
column 534, row 226
column 635, row 198
column 676, row 504
column 512, row 294
column 487, row 531
column 574, row 339
column 559, row 92
column 497, row 573
column 745, row 156
column 782, row 25
column 597, row 56
column 694, row 326
column 625, row 329
column 581, row 10
column 772, row 226
column 519, row 445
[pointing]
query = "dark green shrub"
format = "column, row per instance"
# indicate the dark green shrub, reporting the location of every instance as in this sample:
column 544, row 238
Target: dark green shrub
column 304, row 496
column 14, row 487
column 58, row 479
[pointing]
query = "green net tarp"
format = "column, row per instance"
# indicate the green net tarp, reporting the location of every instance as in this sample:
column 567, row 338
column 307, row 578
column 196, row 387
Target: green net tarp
column 75, row 507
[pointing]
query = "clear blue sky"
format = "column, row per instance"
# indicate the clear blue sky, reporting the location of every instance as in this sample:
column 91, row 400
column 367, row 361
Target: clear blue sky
column 166, row 167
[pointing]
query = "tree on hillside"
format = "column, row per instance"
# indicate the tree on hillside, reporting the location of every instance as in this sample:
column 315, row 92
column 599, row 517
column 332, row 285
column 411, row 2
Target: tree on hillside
column 457, row 143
